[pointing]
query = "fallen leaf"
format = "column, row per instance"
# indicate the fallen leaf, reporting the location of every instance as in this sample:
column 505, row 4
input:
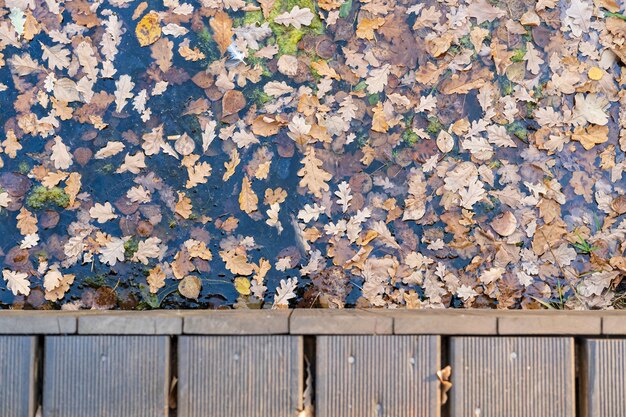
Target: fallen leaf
column 148, row 29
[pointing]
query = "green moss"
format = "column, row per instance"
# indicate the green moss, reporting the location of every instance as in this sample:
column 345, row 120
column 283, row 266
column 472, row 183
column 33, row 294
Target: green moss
column 254, row 61
column 345, row 9
column 208, row 46
column 360, row 86
column 410, row 137
column 287, row 37
column 518, row 129
column 41, row 196
column 434, row 125
column 373, row 99
column 518, row 55
column 259, row 96
column 253, row 17
column 130, row 247
column 24, row 168
column 466, row 42
column 107, row 168
column 506, row 86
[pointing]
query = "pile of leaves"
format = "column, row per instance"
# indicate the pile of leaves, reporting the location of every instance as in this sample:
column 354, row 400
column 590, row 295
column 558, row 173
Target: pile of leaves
column 276, row 153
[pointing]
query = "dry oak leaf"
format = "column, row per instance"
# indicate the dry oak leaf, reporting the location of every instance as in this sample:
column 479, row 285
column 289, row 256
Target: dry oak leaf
column 484, row 12
column 297, row 17
column 146, row 249
column 313, row 176
column 591, row 136
column 248, row 200
column 61, row 155
column 222, row 26
column 237, row 262
column 162, row 53
column 123, row 91
column 365, row 28
column 56, row 55
column 133, row 163
column 16, row 282
column 591, row 108
column 102, row 212
column 183, row 206
column 113, row 251
column 156, row 279
column 324, row 70
column 377, row 79
column 148, row 29
column 379, row 121
column 26, row 222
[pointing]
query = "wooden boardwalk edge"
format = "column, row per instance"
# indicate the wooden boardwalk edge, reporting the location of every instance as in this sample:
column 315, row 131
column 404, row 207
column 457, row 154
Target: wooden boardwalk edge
column 353, row 362
column 316, row 322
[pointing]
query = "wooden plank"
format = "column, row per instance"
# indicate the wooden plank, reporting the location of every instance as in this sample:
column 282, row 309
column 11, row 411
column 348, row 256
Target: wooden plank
column 17, row 375
column 513, row 377
column 377, row 376
column 106, row 376
column 604, row 378
column 246, row 376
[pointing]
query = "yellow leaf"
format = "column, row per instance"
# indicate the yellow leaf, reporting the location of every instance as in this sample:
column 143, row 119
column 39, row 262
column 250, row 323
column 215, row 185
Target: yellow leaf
column 148, row 29
column 222, row 27
column 248, row 200
column 595, row 73
column 366, row 27
column 242, row 285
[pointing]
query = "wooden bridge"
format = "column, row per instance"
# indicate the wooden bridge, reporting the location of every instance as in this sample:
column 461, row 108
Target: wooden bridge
column 348, row 363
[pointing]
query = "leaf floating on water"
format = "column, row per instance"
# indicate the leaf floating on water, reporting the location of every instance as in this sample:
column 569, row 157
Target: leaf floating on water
column 222, row 26
column 190, row 287
column 148, row 29
column 297, row 17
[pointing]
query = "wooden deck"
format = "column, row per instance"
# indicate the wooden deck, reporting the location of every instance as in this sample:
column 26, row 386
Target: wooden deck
column 312, row 363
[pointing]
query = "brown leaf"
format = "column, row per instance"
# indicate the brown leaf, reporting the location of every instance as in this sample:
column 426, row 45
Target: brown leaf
column 222, row 26
column 248, row 200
